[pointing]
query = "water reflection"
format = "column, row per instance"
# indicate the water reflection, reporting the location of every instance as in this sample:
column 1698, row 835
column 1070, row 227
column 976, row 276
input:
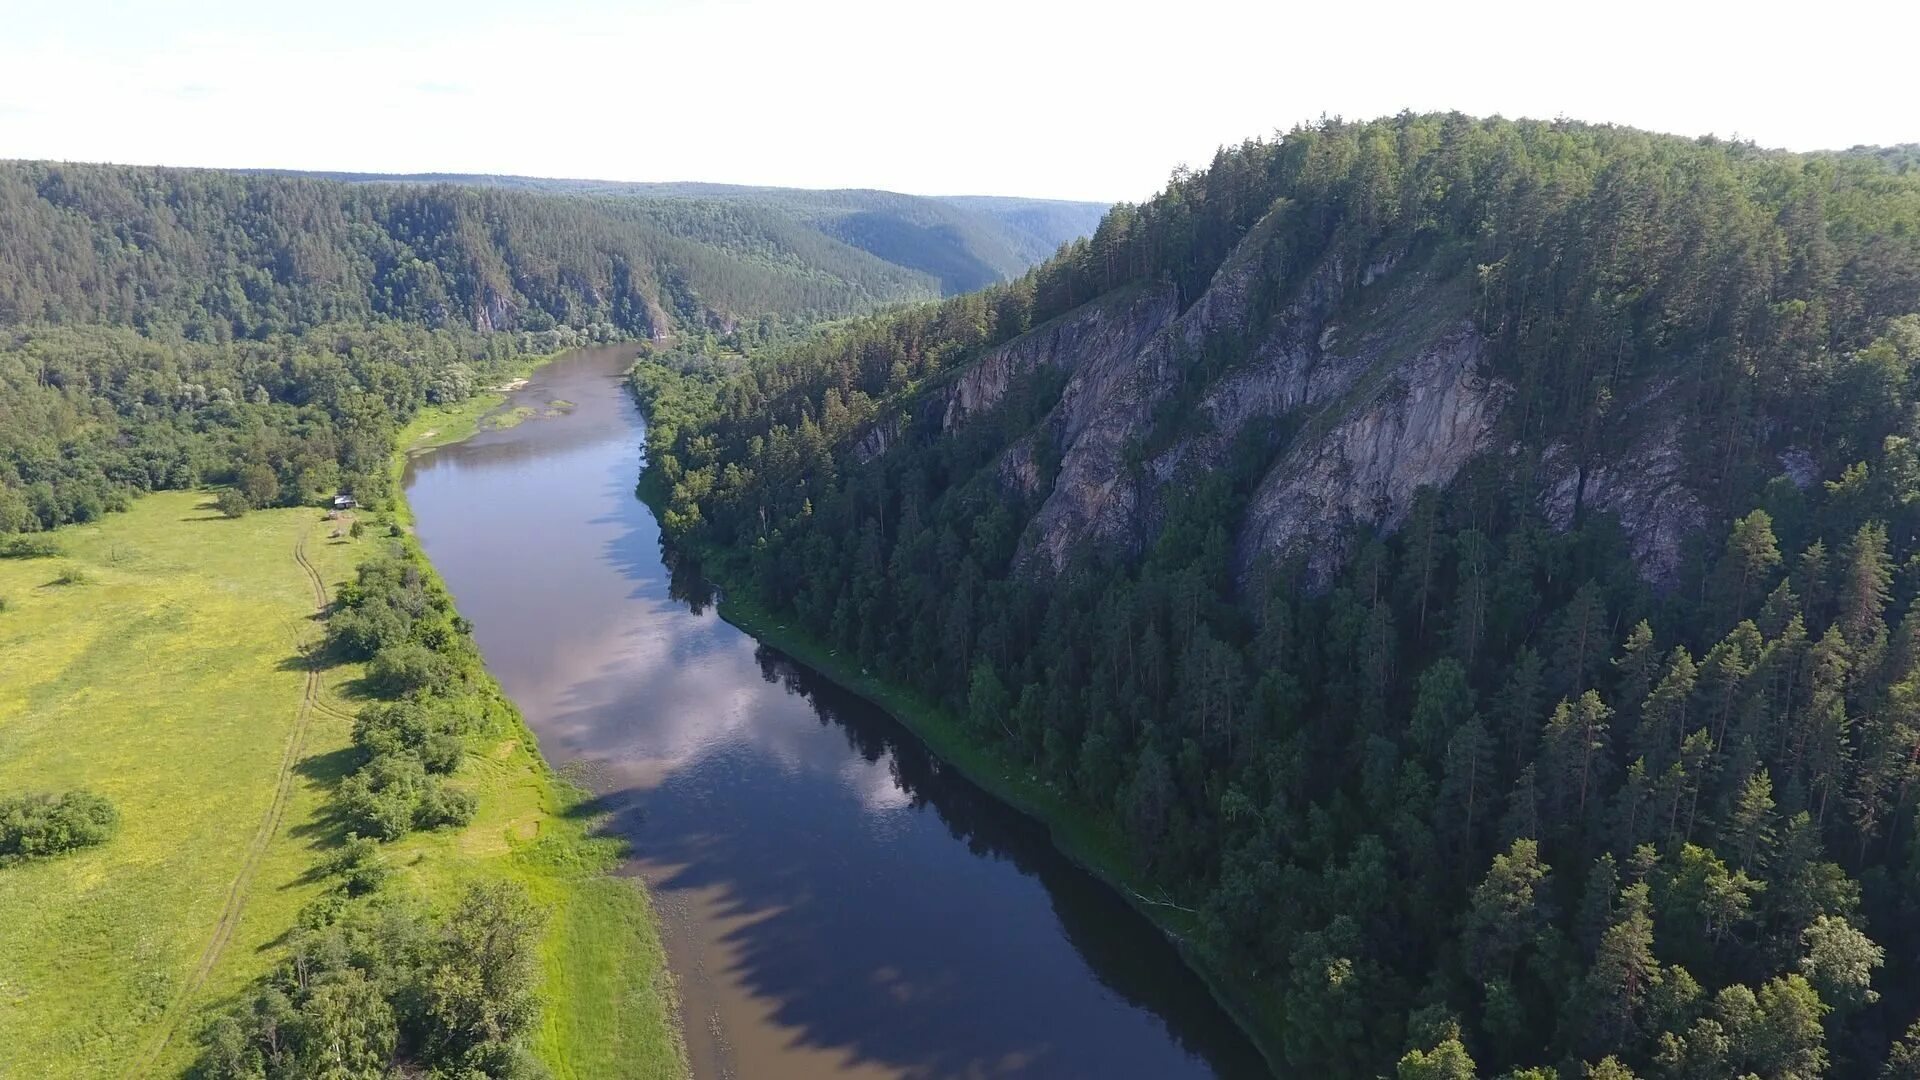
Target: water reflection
column 835, row 902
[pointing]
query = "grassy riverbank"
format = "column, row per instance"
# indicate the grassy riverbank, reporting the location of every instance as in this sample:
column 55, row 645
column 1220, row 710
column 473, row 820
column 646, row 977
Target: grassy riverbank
column 173, row 673
column 609, row 1008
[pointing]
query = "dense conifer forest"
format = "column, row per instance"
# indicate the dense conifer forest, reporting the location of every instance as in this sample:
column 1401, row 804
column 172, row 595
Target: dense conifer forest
column 1493, row 798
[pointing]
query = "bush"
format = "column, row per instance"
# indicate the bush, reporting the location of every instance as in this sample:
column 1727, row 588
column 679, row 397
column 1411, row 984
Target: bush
column 36, row 826
column 426, row 730
column 383, row 797
column 409, row 668
column 358, row 864
column 359, row 632
column 446, row 806
column 72, row 575
column 233, row 502
column 27, row 547
column 386, row 989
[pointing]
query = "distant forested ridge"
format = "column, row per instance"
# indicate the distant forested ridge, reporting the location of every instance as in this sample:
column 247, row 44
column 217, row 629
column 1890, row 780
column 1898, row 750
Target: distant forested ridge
column 171, row 327
column 213, row 255
column 1471, row 563
column 965, row 242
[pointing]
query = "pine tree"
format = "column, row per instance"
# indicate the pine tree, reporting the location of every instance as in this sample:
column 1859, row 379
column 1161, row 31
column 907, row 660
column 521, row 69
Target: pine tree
column 1519, row 705
column 1504, row 914
column 1635, row 670
column 1580, row 639
column 1664, row 717
column 1623, row 977
column 1466, row 785
column 1751, row 555
column 1749, row 828
column 1573, row 750
column 1869, row 581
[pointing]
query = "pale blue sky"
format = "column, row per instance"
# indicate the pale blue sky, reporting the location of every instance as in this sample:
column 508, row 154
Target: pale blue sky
column 1074, row 100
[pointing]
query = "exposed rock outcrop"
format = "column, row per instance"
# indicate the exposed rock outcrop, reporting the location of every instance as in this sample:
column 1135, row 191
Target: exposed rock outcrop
column 1380, row 376
column 1644, row 485
column 1423, row 420
column 1119, row 326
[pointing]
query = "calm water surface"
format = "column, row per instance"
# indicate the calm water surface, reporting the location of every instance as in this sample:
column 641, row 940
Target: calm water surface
column 834, row 902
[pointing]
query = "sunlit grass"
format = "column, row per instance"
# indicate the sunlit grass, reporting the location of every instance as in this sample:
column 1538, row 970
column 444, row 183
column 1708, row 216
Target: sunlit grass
column 167, row 675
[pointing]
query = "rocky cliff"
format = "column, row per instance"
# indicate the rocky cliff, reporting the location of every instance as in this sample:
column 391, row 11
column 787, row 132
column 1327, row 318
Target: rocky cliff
column 1368, row 386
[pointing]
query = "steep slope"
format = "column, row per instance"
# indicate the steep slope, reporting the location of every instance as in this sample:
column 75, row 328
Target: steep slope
column 218, row 254
column 1457, row 559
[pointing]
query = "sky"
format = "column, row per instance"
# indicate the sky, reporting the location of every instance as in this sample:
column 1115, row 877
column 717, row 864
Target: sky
column 1008, row 97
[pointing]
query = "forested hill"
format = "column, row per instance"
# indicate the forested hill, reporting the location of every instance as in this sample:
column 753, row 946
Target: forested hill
column 966, row 242
column 220, row 254
column 1473, row 564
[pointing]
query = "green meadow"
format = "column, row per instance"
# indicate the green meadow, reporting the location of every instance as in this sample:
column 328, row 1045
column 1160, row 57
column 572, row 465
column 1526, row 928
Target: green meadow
column 173, row 674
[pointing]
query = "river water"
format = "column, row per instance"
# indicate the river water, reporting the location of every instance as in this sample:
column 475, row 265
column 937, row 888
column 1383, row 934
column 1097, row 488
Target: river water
column 834, row 902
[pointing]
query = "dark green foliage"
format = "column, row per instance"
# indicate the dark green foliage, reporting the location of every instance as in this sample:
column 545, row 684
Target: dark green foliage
column 36, row 826
column 358, row 865
column 408, row 667
column 232, row 502
column 962, row 241
column 92, row 416
column 420, row 654
column 376, row 989
column 1485, row 769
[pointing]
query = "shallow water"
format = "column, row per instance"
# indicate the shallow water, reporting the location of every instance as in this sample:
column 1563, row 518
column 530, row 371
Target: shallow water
column 834, row 902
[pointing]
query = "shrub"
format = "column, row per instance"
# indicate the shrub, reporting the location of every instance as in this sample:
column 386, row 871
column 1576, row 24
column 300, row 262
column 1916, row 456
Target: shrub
column 27, row 547
column 72, row 575
column 408, row 668
column 233, row 502
column 358, row 864
column 442, row 753
column 383, row 797
column 445, row 806
column 388, row 990
column 36, row 826
column 359, row 632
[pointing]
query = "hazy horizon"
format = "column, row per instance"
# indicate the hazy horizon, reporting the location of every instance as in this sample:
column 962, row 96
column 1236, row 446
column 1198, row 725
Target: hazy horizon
column 1079, row 102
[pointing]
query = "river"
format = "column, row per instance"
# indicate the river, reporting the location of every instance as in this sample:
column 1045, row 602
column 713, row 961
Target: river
column 834, row 902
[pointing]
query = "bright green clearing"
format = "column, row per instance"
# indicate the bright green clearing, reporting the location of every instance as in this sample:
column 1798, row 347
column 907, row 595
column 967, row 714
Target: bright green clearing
column 171, row 679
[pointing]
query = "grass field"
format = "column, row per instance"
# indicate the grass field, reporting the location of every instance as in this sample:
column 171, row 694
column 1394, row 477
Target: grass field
column 173, row 678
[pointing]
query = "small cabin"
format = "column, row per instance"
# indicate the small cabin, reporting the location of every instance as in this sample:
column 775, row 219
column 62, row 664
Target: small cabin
column 344, row 502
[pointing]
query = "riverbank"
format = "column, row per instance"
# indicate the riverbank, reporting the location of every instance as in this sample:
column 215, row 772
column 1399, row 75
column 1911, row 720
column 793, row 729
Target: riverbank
column 166, row 659
column 608, row 1005
column 1094, row 845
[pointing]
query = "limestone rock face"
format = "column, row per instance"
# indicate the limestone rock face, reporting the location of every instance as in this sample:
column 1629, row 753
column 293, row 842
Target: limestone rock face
column 1369, row 383
column 1426, row 418
column 1645, row 484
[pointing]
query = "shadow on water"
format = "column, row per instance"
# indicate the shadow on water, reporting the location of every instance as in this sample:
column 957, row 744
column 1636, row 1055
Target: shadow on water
column 896, row 990
column 871, row 906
